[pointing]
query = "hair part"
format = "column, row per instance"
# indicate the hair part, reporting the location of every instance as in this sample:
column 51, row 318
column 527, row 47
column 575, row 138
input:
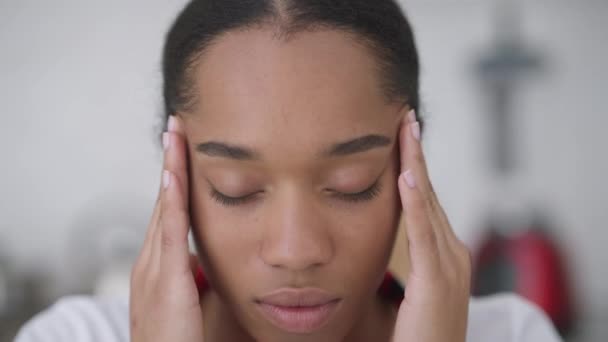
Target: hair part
column 379, row 25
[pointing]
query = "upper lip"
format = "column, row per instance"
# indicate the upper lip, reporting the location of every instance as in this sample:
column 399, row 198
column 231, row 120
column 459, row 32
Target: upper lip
column 297, row 297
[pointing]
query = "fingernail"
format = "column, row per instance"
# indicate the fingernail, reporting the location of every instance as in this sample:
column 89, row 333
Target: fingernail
column 411, row 116
column 408, row 177
column 416, row 130
column 171, row 124
column 166, row 179
column 166, row 140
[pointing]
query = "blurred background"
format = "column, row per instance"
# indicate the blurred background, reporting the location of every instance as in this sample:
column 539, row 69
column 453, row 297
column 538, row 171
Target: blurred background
column 513, row 95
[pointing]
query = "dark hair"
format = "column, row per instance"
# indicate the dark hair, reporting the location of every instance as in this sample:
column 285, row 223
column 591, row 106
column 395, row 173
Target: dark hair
column 379, row 24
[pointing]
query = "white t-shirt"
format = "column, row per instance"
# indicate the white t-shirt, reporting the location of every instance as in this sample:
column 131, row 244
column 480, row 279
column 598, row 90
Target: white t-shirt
column 497, row 318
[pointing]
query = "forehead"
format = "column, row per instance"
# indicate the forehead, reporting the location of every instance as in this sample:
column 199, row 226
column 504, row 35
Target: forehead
column 318, row 87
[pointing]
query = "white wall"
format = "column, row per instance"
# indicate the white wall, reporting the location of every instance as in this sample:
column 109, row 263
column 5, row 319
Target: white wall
column 80, row 98
column 80, row 95
column 561, row 123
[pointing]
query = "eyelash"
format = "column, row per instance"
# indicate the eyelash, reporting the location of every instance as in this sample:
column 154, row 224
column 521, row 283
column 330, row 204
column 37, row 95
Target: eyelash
column 363, row 196
column 229, row 201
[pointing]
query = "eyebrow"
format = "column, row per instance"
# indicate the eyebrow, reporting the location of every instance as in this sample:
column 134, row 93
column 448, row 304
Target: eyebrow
column 353, row 146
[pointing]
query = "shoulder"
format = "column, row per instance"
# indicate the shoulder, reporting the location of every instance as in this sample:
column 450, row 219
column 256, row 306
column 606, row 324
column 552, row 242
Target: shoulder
column 79, row 318
column 499, row 318
column 508, row 317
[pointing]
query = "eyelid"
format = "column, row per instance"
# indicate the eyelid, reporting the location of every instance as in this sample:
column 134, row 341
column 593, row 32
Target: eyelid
column 367, row 194
column 231, row 201
column 361, row 196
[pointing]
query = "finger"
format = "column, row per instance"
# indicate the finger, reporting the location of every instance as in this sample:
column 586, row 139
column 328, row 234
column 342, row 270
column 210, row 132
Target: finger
column 412, row 154
column 176, row 157
column 146, row 250
column 175, row 161
column 449, row 244
column 427, row 245
column 140, row 274
column 172, row 234
column 175, row 126
column 174, row 225
column 422, row 240
column 413, row 159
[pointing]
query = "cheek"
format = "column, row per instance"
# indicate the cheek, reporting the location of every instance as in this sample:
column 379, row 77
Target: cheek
column 223, row 244
column 372, row 227
column 375, row 223
column 366, row 236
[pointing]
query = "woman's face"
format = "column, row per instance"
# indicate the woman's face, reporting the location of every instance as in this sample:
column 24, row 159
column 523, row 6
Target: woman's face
column 302, row 135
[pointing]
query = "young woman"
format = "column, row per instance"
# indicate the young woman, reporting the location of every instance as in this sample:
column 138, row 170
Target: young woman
column 292, row 150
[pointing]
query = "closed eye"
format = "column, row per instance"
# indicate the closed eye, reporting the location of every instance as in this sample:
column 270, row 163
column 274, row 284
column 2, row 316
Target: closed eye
column 362, row 196
column 231, row 201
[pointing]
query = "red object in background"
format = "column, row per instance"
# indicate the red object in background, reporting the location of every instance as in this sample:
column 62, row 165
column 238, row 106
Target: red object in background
column 530, row 264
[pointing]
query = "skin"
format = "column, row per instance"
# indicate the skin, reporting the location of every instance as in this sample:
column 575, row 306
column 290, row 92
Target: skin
column 289, row 104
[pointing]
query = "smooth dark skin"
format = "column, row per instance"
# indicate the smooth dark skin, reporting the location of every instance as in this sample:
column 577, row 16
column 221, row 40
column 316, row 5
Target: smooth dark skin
column 295, row 124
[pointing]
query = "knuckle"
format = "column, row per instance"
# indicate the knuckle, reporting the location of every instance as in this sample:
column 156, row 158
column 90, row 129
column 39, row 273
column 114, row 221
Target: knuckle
column 426, row 238
column 173, row 216
column 162, row 218
column 418, row 204
column 166, row 239
column 170, row 229
column 418, row 157
column 430, row 201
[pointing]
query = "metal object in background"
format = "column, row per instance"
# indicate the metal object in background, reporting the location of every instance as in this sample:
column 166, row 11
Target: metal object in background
column 518, row 252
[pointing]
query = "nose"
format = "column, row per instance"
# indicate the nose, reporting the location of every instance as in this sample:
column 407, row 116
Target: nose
column 297, row 237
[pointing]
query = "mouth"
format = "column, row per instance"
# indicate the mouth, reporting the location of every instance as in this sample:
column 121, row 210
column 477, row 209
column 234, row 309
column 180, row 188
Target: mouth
column 298, row 310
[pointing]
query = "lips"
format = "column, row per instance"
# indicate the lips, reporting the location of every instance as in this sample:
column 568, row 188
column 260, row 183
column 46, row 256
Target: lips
column 298, row 310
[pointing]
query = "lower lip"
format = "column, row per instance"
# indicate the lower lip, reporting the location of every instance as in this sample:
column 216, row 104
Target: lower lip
column 303, row 319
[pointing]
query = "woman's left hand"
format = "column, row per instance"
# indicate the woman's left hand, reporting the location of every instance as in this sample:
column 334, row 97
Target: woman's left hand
column 435, row 307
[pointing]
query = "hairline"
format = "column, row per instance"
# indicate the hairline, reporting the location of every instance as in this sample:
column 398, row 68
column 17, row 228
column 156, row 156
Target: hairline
column 284, row 32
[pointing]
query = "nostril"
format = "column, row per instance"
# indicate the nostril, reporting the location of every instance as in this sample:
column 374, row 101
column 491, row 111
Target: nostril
column 295, row 254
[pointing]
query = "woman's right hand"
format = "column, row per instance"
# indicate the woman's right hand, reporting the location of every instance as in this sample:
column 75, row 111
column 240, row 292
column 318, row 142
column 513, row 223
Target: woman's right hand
column 164, row 299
